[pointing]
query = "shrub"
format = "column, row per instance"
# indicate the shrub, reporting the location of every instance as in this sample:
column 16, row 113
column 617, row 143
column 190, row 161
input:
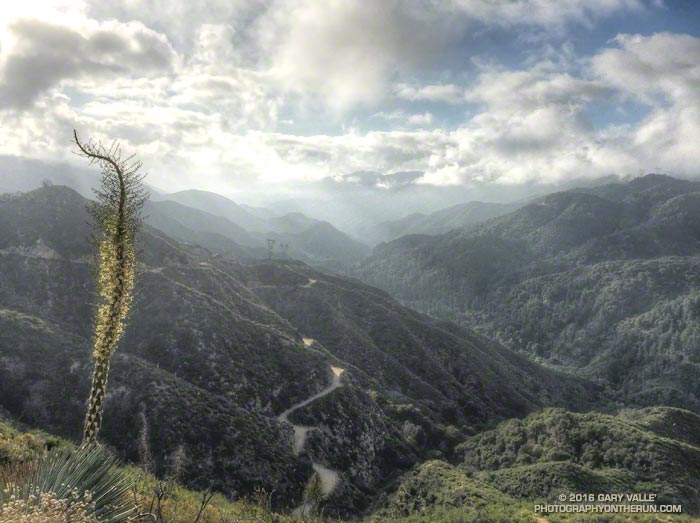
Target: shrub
column 49, row 508
column 65, row 471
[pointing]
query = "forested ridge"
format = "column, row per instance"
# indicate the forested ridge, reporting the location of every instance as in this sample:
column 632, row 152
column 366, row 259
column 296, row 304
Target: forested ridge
column 602, row 282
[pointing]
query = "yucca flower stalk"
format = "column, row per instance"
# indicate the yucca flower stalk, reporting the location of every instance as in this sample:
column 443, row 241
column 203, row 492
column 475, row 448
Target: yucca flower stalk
column 116, row 217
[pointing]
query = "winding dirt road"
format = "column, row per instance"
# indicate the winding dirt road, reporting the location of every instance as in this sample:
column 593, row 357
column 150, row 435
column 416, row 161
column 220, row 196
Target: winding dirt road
column 329, row 477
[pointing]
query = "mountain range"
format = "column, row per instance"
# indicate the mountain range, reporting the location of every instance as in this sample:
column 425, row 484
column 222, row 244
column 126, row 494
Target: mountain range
column 556, row 318
column 208, row 219
column 216, row 349
column 224, row 227
column 600, row 281
column 438, row 222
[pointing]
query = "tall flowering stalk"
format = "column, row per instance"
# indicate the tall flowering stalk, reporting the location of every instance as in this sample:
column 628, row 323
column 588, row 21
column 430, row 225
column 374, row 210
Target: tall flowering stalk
column 116, row 217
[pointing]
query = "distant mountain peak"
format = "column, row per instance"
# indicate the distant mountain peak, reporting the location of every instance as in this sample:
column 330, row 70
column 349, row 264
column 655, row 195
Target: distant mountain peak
column 653, row 180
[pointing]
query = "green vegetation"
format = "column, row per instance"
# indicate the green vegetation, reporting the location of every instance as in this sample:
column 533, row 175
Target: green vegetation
column 215, row 350
column 88, row 475
column 24, row 458
column 313, row 494
column 557, row 451
column 451, row 374
column 503, row 473
column 18, row 448
column 47, row 480
column 438, row 492
column 602, row 282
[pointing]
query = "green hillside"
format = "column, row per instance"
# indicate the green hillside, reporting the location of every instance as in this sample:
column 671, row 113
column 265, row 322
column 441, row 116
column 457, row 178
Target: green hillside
column 454, row 373
column 557, row 451
column 601, row 281
column 216, row 349
column 500, row 475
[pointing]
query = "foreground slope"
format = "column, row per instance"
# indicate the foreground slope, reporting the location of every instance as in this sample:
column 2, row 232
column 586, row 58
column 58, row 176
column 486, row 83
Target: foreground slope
column 556, row 451
column 500, row 475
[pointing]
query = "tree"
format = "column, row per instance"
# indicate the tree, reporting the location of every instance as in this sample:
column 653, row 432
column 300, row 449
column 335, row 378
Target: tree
column 117, row 218
column 313, row 494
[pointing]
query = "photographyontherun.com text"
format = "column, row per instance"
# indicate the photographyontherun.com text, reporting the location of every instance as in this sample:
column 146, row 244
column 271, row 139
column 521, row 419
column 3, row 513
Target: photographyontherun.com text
column 615, row 503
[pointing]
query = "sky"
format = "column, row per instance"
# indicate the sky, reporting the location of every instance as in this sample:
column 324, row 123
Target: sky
column 242, row 95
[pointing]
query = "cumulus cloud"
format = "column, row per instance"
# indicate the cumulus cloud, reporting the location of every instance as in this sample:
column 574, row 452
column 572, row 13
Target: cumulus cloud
column 534, row 87
column 663, row 71
column 529, row 125
column 44, row 54
column 214, row 80
column 660, row 68
column 180, row 21
column 350, row 50
column 347, row 51
column 421, row 119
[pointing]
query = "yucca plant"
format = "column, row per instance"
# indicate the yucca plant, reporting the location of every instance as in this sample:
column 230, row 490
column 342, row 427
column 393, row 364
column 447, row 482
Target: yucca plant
column 117, row 218
column 71, row 474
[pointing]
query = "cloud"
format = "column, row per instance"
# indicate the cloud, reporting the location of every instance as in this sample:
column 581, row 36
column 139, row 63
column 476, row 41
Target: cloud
column 663, row 71
column 346, row 51
column 214, row 81
column 421, row 119
column 529, row 125
column 446, row 93
column 403, row 118
column 324, row 155
column 539, row 86
column 542, row 13
column 212, row 94
column 660, row 68
column 45, row 54
column 532, row 124
column 350, row 50
column 180, row 21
